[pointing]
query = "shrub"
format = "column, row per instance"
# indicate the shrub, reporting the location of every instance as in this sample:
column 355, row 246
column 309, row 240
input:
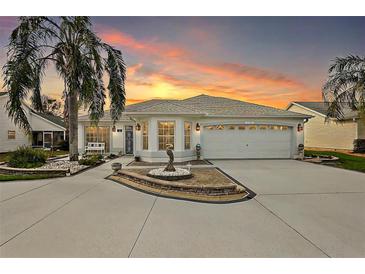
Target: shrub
column 359, row 145
column 27, row 157
column 64, row 145
column 91, row 160
column 112, row 156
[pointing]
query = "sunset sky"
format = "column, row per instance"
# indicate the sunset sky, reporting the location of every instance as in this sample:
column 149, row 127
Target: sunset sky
column 265, row 60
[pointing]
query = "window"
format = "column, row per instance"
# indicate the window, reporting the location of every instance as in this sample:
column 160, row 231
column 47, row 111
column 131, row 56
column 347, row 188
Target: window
column 187, row 135
column 11, row 134
column 166, row 134
column 98, row 135
column 145, row 135
column 263, row 127
column 241, row 127
column 252, row 127
column 220, row 127
column 232, row 127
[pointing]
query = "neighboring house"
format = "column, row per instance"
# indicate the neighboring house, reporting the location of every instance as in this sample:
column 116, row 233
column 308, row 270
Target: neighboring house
column 329, row 133
column 47, row 130
column 225, row 129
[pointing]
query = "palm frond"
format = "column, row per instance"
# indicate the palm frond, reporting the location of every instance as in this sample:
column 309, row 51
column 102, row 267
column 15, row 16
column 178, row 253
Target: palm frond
column 345, row 86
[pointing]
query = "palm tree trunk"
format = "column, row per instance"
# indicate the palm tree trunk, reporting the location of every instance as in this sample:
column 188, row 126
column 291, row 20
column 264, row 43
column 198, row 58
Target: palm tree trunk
column 73, row 124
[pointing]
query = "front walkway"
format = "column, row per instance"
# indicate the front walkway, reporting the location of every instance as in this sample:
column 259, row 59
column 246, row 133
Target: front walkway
column 301, row 210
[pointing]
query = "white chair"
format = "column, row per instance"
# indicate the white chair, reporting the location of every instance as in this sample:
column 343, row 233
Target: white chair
column 95, row 146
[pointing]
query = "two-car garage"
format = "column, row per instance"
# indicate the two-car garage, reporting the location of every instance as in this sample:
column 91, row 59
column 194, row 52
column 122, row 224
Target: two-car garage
column 253, row 141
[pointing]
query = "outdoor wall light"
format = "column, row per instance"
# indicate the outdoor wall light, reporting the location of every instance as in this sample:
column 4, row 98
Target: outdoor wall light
column 197, row 127
column 300, row 127
column 138, row 127
column 114, row 129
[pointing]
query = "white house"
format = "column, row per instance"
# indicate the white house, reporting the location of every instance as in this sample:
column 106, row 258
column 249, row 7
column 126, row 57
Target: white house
column 47, row 130
column 329, row 133
column 225, row 129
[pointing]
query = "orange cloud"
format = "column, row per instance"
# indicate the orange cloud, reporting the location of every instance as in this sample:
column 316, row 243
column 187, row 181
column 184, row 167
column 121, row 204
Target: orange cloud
column 177, row 67
column 125, row 40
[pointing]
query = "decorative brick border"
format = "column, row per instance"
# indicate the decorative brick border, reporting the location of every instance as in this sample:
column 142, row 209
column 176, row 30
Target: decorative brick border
column 178, row 190
column 32, row 171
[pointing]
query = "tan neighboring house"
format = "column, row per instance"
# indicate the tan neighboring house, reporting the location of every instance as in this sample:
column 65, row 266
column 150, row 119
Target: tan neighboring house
column 47, row 130
column 320, row 132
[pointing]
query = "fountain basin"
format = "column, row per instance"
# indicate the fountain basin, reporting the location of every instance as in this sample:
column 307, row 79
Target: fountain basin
column 178, row 174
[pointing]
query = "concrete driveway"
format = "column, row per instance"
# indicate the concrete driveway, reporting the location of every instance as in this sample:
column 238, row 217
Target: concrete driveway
column 301, row 210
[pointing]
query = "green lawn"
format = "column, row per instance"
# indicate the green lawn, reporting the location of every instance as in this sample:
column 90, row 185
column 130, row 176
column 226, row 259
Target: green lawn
column 346, row 161
column 22, row 177
column 56, row 153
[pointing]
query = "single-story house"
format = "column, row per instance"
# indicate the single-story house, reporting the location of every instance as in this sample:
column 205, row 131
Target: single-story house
column 47, row 130
column 329, row 133
column 224, row 128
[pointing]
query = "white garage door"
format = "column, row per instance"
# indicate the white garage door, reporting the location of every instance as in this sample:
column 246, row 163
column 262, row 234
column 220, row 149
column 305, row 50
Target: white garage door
column 246, row 141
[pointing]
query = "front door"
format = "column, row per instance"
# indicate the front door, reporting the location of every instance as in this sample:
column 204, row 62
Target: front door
column 129, row 139
column 47, row 139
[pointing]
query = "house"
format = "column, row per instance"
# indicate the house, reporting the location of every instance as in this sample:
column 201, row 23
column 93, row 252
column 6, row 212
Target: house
column 47, row 130
column 329, row 133
column 225, row 129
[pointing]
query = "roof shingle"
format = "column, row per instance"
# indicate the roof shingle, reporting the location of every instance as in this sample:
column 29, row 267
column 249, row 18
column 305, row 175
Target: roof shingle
column 322, row 107
column 203, row 105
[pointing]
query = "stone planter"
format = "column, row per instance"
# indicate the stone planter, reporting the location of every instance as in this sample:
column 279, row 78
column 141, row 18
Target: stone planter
column 116, row 167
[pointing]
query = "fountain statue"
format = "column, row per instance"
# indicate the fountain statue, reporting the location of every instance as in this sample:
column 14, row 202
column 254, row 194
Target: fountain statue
column 170, row 173
column 170, row 166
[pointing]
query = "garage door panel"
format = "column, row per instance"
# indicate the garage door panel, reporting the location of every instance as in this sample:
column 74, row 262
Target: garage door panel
column 230, row 144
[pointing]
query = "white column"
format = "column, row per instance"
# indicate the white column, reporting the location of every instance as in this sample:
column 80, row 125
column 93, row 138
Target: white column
column 81, row 137
column 152, row 135
column 179, row 135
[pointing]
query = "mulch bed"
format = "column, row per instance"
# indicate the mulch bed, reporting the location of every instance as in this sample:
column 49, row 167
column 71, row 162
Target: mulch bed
column 201, row 177
column 192, row 162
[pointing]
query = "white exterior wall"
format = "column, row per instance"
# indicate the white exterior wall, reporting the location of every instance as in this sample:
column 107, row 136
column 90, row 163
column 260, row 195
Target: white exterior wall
column 40, row 124
column 117, row 144
column 7, row 124
column 331, row 134
column 154, row 155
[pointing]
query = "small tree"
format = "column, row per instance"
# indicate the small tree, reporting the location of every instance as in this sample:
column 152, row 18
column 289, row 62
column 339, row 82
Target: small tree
column 51, row 106
column 77, row 53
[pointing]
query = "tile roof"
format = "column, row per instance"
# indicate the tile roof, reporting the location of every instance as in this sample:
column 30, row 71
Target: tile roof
column 322, row 107
column 216, row 106
column 204, row 105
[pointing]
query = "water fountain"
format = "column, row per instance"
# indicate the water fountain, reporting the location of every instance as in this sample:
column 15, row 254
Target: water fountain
column 170, row 173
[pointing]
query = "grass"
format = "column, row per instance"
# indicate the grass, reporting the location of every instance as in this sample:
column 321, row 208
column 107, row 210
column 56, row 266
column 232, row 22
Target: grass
column 4, row 177
column 346, row 161
column 56, row 153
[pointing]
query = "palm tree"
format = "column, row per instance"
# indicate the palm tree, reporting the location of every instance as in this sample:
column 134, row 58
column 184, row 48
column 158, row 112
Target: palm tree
column 80, row 58
column 345, row 86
